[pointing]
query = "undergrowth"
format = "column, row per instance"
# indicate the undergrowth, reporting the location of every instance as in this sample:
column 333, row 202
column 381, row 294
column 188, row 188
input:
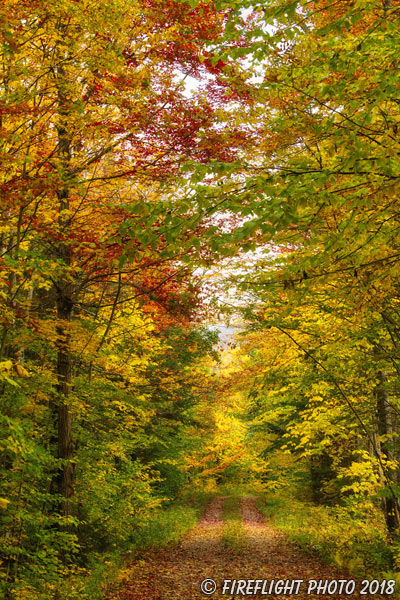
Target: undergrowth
column 106, row 571
column 168, row 525
column 349, row 537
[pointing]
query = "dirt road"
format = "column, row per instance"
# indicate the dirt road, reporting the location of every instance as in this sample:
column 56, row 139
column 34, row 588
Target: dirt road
column 176, row 573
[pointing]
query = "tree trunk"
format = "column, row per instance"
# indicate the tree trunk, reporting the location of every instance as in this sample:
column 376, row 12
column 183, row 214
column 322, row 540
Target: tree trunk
column 385, row 429
column 66, row 476
column 64, row 288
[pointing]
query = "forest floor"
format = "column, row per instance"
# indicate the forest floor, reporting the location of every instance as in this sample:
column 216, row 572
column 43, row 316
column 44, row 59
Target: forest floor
column 175, row 573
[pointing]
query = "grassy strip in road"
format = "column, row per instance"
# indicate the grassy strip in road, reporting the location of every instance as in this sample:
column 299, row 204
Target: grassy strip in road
column 233, row 535
column 232, row 509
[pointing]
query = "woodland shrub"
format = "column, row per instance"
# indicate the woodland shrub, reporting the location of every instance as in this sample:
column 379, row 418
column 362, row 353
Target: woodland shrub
column 351, row 539
column 167, row 525
column 105, row 569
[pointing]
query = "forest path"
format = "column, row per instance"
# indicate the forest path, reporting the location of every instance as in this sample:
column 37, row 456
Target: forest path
column 176, row 573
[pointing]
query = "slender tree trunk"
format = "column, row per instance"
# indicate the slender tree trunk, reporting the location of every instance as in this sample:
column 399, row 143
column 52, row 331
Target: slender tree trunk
column 64, row 288
column 66, row 475
column 385, row 429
